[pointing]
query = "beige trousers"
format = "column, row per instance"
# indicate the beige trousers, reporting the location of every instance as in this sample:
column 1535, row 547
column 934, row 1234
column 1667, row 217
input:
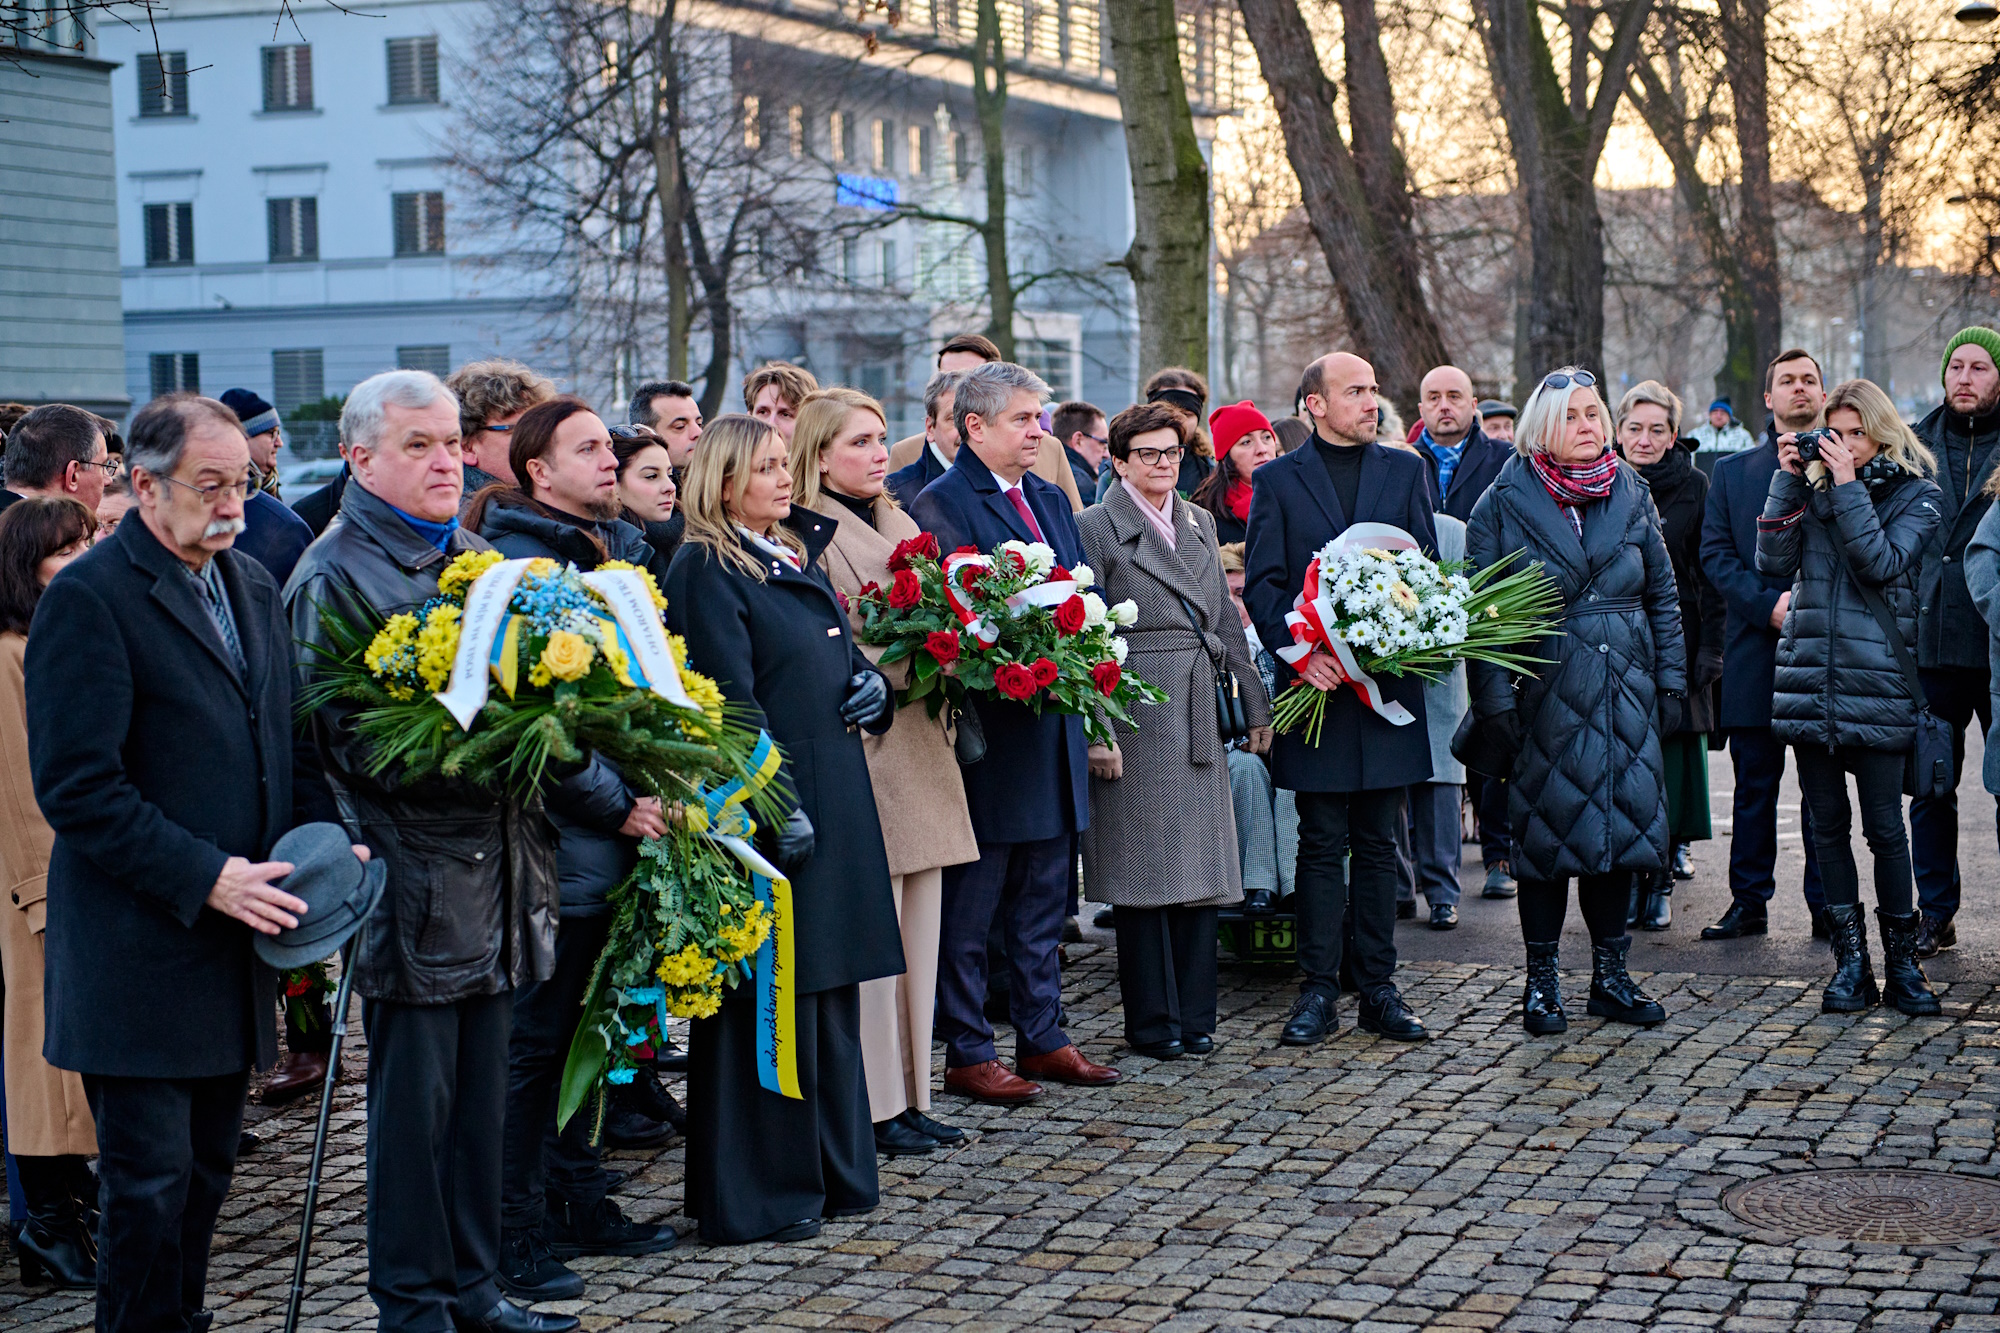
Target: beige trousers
column 896, row 1012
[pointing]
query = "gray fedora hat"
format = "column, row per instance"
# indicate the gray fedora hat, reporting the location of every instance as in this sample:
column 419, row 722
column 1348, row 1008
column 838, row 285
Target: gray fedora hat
column 338, row 889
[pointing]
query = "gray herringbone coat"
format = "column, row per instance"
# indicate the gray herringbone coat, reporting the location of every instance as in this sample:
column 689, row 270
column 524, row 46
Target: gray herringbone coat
column 1163, row 834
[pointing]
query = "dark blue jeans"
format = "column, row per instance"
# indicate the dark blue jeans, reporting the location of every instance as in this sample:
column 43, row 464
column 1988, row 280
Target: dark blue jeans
column 1753, row 840
column 1956, row 694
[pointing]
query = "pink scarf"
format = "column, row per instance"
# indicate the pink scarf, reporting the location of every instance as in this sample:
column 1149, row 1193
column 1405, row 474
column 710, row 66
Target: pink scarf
column 1573, row 486
column 1162, row 523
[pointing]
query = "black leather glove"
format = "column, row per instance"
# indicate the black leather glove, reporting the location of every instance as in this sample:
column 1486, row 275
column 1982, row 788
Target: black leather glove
column 792, row 845
column 868, row 704
column 1670, row 708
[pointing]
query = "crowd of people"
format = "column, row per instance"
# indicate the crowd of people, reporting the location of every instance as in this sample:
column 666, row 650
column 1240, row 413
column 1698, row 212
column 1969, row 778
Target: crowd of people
column 1826, row 590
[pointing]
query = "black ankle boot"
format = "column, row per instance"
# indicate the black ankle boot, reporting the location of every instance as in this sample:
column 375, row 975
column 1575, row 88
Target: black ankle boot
column 1903, row 980
column 1613, row 993
column 1541, row 1000
column 1853, row 986
column 1657, row 911
column 53, row 1246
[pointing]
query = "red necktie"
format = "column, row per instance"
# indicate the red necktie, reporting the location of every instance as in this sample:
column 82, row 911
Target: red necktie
column 1027, row 514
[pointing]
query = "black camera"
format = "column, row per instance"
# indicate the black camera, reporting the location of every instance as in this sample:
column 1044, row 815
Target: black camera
column 1809, row 442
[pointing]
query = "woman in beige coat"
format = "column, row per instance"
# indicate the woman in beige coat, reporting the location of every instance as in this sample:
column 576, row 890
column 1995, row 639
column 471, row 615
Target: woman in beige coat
column 49, row 1128
column 840, row 456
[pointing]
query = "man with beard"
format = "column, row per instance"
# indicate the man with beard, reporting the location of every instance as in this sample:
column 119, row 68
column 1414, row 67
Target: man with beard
column 1755, row 607
column 1951, row 636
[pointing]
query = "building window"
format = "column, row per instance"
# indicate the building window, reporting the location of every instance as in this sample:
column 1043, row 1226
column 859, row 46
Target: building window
column 919, row 151
column 889, row 274
column 169, row 234
column 880, row 135
column 836, row 137
column 163, row 83
column 850, row 259
column 288, row 78
column 795, row 129
column 434, row 357
column 753, row 128
column 1051, row 358
column 960, row 166
column 420, row 223
column 413, row 70
column 175, row 372
column 294, row 226
column 297, row 377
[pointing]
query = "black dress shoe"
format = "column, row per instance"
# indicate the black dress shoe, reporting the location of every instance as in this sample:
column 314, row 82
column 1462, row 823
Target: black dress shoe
column 948, row 1135
column 1407, row 911
column 1106, row 918
column 1742, row 918
column 1260, row 902
column 1683, row 860
column 628, row 1127
column 530, row 1271
column 1384, row 1013
column 803, row 1229
column 507, row 1317
column 1171, row 1049
column 1934, row 934
column 893, row 1138
column 1199, row 1044
column 201, row 1321
column 1444, row 917
column 247, row 1142
column 1312, row 1021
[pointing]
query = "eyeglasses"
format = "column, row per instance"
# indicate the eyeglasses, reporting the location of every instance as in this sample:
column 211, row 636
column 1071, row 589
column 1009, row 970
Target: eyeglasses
column 1098, row 439
column 212, row 495
column 634, row 433
column 111, row 466
column 1583, row 379
column 500, row 428
column 1153, row 457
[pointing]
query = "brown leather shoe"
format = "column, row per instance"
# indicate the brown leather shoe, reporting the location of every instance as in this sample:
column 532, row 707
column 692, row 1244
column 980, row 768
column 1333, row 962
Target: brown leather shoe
column 1067, row 1065
column 990, row 1082
column 299, row 1073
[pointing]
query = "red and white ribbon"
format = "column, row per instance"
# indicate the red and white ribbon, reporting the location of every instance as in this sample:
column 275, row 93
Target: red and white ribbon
column 1313, row 610
column 1051, row 594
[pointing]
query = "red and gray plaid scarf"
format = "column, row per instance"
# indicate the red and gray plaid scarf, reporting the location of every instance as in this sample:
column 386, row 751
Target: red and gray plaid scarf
column 1573, row 487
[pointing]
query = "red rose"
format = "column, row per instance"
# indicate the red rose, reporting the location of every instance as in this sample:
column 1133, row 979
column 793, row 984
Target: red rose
column 1069, row 616
column 966, row 550
column 925, row 545
column 1045, row 671
column 871, row 589
column 899, row 559
column 1106, row 675
column 969, row 577
column 943, row 646
column 1020, row 562
column 1014, row 680
column 1060, row 575
column 907, row 590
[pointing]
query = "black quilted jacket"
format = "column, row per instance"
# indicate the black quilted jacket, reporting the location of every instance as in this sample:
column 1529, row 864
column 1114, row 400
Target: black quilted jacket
column 1838, row 682
column 1587, row 795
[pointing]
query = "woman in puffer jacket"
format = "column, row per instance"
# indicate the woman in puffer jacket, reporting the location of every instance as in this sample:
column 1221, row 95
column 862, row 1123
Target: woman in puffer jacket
column 1841, row 700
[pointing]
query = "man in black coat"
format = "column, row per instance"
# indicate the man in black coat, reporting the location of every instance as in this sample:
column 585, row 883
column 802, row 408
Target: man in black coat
column 319, row 508
column 1755, row 609
column 1029, row 797
column 1349, row 786
column 158, row 653
column 1951, row 634
column 905, row 484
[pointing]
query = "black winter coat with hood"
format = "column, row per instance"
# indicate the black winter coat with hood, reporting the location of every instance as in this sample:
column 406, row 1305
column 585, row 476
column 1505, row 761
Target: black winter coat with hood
column 1680, row 493
column 1587, row 795
column 1950, row 630
column 1838, row 682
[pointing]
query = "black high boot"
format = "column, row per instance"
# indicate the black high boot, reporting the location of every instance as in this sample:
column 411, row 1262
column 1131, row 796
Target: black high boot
column 53, row 1246
column 1541, row 999
column 1613, row 993
column 1657, row 911
column 1633, row 899
column 1903, row 981
column 1853, row 986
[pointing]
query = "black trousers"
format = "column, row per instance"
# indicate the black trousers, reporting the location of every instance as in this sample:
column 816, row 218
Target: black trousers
column 437, row 1110
column 1543, row 903
column 536, row 1160
column 1021, row 887
column 1878, row 776
column 166, row 1148
column 756, row 1161
column 1331, row 826
column 1956, row 694
column 1489, row 803
column 1759, row 760
column 1166, row 972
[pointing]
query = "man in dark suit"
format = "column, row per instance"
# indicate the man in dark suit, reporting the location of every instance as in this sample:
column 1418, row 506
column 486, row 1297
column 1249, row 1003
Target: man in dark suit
column 905, row 484
column 1350, row 785
column 160, row 652
column 59, row 452
column 1755, row 607
column 1029, row 797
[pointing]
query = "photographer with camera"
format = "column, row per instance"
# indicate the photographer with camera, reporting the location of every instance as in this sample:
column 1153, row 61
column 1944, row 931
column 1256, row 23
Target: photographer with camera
column 1849, row 512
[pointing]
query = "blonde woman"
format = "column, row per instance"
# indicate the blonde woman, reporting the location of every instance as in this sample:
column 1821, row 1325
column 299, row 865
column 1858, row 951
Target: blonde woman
column 839, row 459
column 746, row 593
column 1858, row 516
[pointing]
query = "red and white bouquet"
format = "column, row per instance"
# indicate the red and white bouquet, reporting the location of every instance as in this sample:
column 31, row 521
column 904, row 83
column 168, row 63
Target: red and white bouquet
column 1013, row 624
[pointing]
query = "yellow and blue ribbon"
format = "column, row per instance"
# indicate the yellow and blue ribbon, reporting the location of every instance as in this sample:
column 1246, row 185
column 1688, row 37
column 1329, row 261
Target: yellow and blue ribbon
column 506, row 657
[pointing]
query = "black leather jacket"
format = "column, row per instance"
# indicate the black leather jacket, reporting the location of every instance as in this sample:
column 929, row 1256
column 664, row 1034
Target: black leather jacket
column 471, row 903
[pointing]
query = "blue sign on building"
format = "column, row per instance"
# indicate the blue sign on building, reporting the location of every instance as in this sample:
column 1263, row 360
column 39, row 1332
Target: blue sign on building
column 870, row 192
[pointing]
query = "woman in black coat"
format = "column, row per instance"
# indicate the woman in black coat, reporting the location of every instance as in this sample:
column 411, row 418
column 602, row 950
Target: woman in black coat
column 1859, row 517
column 762, row 620
column 1584, row 794
column 1649, row 422
column 649, row 493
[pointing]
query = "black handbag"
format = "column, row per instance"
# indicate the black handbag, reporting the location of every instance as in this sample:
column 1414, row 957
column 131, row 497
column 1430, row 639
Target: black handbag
column 1486, row 746
column 1927, row 770
column 1232, row 719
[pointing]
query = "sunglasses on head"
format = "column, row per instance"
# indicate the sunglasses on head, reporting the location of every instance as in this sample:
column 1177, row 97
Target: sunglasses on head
column 1583, row 379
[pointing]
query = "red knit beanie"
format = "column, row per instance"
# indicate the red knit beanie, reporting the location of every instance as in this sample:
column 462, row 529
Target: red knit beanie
column 1231, row 423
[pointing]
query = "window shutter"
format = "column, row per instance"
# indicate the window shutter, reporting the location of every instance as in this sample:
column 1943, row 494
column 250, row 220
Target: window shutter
column 413, row 69
column 297, row 376
column 163, row 83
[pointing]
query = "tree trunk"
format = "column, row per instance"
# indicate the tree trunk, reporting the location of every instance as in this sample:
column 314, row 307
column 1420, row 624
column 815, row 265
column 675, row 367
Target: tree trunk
column 1169, row 255
column 1874, row 331
column 1748, row 70
column 989, row 101
column 715, row 299
column 668, row 185
column 1384, row 300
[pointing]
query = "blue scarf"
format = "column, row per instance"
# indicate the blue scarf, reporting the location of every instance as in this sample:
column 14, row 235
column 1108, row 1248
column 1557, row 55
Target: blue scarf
column 437, row 534
column 1447, row 459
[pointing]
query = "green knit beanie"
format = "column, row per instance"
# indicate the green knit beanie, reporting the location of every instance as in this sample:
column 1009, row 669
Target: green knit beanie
column 1979, row 335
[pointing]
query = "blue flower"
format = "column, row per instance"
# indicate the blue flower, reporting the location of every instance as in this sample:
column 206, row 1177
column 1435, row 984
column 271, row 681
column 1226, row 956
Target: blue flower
column 619, row 1076
column 636, row 1038
column 644, row 995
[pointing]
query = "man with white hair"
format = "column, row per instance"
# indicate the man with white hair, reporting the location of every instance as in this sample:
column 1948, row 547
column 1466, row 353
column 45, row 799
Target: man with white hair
column 469, row 909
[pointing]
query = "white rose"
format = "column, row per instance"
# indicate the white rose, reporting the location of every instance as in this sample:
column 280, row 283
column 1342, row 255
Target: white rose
column 1125, row 613
column 1094, row 611
column 1041, row 559
column 1118, row 649
column 1084, row 576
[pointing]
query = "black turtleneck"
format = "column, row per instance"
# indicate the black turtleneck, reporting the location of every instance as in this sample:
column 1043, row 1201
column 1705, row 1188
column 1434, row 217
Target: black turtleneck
column 861, row 509
column 1343, row 464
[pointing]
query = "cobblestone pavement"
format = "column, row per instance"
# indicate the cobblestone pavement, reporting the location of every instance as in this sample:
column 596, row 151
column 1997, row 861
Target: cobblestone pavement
column 1484, row 1180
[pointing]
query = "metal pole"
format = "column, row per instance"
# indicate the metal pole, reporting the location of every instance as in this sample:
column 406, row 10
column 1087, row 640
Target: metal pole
column 340, row 1002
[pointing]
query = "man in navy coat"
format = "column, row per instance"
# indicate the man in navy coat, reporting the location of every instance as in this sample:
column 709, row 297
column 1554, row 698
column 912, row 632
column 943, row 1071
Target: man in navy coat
column 905, row 484
column 1350, row 785
column 1029, row 796
column 1755, row 609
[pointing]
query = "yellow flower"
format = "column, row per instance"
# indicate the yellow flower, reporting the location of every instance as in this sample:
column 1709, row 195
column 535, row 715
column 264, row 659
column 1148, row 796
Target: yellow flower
column 391, row 643
column 689, row 967
column 459, row 575
column 568, row 655
column 543, row 566
column 620, row 664
column 437, row 647
column 707, row 695
column 652, row 586
column 1403, row 595
column 539, row 675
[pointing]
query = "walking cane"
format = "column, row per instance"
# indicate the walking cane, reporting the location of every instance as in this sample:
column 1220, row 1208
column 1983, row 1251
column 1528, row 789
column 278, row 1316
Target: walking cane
column 319, row 1136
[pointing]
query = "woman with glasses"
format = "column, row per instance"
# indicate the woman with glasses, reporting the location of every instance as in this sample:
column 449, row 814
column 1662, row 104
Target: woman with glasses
column 1161, row 845
column 1584, row 794
column 649, row 493
column 1244, row 442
